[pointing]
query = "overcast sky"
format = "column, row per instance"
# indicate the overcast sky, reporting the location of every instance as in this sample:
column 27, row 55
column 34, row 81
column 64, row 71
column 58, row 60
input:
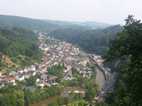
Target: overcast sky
column 108, row 11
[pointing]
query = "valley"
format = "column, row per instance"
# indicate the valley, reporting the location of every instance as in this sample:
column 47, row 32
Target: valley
column 52, row 63
column 59, row 63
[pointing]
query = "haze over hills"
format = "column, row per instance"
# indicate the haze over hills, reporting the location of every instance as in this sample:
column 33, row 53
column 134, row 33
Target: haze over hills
column 45, row 25
column 93, row 25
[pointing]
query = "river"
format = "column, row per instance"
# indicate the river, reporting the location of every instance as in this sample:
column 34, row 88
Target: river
column 100, row 79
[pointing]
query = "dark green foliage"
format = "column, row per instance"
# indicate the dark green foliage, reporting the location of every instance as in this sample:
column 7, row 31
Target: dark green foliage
column 14, row 96
column 20, row 45
column 90, row 89
column 78, row 103
column 41, row 94
column 11, row 96
column 89, row 40
column 18, row 41
column 31, row 81
column 56, row 70
column 127, row 47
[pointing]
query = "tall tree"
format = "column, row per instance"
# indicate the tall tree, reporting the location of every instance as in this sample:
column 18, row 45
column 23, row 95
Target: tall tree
column 128, row 49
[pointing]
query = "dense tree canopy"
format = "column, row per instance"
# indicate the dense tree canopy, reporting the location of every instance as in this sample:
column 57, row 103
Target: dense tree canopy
column 89, row 40
column 128, row 49
column 20, row 45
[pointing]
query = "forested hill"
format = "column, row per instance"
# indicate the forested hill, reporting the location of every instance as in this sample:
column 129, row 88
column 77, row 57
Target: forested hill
column 45, row 25
column 19, row 45
column 90, row 36
column 90, row 40
column 26, row 23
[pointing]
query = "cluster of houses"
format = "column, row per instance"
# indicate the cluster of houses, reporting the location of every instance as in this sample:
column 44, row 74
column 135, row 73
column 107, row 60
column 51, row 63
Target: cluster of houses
column 54, row 52
column 46, row 80
column 42, row 80
column 6, row 79
column 19, row 75
column 61, row 52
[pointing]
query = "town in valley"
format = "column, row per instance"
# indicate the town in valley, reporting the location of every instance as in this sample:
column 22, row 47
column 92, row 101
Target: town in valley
column 55, row 52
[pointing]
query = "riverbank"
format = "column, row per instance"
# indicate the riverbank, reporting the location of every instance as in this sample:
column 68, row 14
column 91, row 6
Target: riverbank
column 100, row 80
